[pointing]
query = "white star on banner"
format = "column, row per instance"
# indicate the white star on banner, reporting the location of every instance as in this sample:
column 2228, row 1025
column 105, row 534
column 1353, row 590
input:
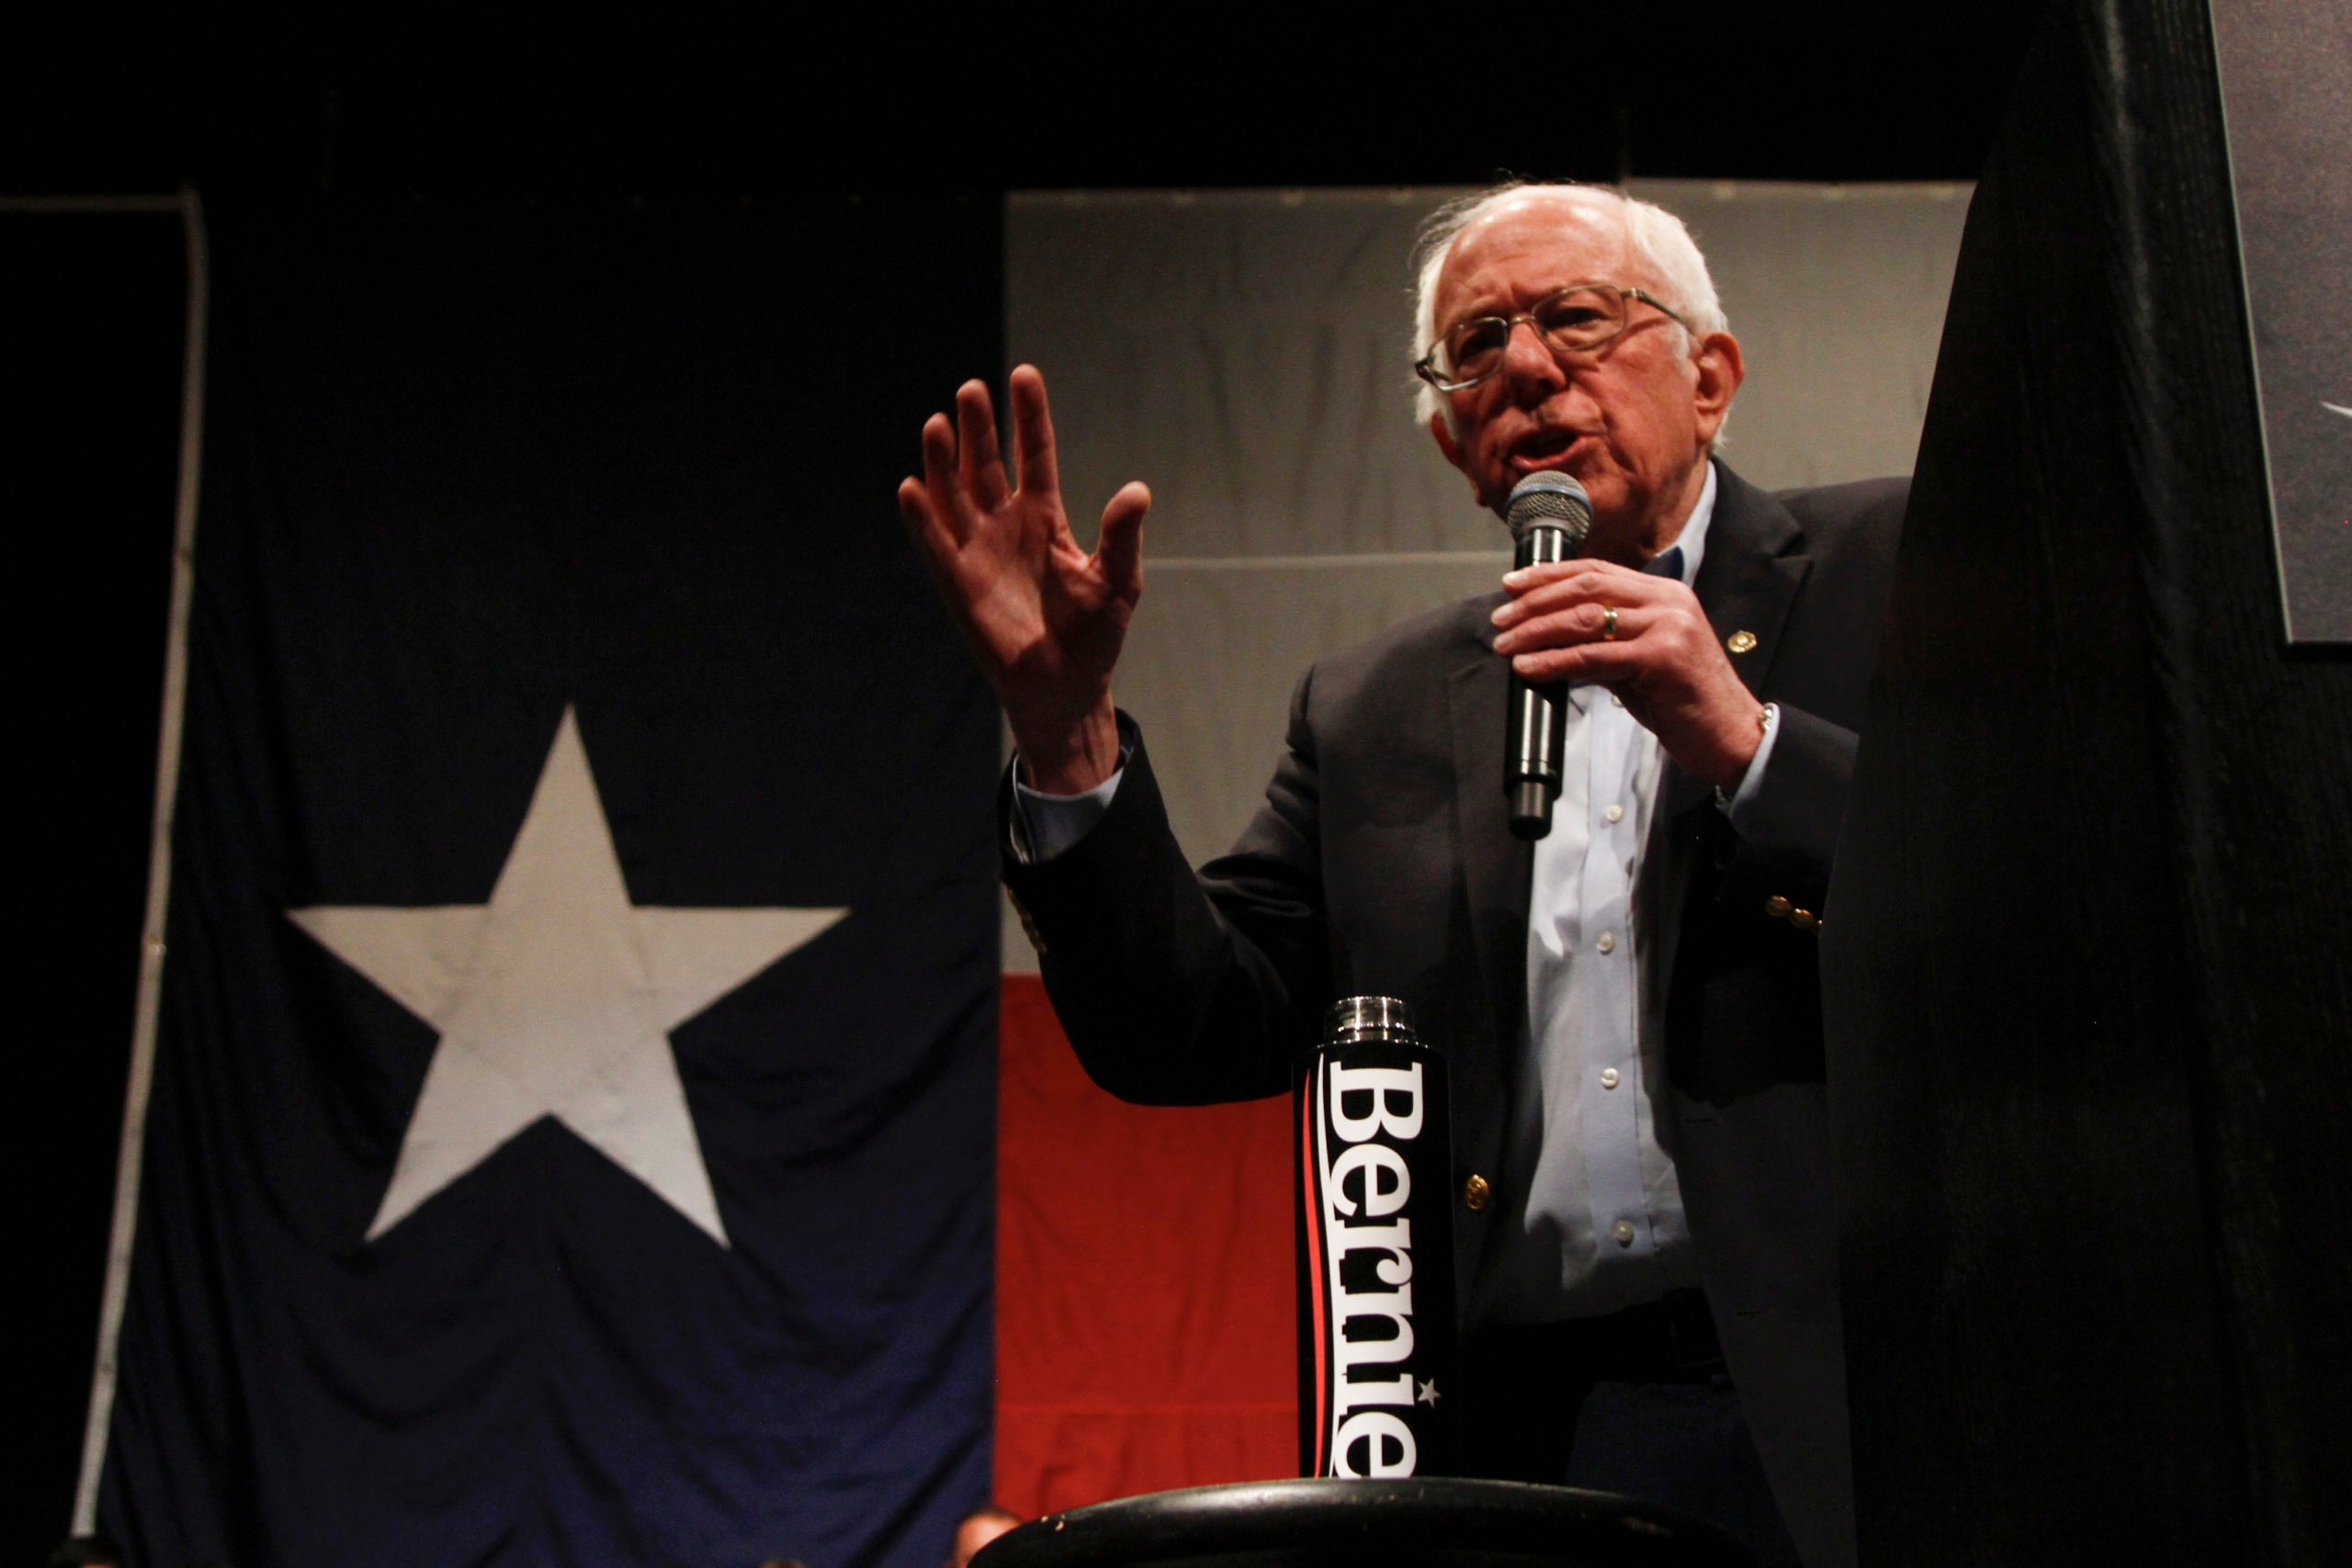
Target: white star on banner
column 557, row 998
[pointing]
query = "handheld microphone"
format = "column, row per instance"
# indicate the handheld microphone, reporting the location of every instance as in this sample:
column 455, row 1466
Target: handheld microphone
column 1549, row 515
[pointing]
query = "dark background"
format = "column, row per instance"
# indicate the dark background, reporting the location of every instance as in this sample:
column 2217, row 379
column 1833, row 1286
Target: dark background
column 376, row 97
column 401, row 103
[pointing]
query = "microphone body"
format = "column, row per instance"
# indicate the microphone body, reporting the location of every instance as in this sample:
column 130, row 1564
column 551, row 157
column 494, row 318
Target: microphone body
column 1549, row 515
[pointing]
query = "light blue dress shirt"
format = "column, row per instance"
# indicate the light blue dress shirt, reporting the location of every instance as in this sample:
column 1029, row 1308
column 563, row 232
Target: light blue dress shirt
column 1592, row 1218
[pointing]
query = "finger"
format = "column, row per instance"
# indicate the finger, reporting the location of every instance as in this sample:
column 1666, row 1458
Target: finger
column 1033, row 431
column 1563, row 591
column 982, row 468
column 1576, row 624
column 1520, row 580
column 945, row 488
column 1119, row 550
column 934, row 541
column 1606, row 663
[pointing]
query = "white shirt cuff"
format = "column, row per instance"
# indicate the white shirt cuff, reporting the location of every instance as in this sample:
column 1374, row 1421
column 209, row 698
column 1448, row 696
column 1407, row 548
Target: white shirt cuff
column 1047, row 825
column 1752, row 781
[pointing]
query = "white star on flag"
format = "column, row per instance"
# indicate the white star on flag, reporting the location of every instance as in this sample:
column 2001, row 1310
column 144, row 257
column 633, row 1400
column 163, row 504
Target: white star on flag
column 557, row 998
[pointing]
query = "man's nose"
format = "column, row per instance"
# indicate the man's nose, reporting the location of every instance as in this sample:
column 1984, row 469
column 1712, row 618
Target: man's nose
column 1528, row 360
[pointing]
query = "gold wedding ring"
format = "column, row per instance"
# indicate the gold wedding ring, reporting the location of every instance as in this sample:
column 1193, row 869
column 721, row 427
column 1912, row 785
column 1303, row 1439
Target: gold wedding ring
column 1608, row 621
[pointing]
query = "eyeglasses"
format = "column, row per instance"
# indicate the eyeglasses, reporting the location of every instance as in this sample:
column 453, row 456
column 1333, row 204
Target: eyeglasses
column 1574, row 320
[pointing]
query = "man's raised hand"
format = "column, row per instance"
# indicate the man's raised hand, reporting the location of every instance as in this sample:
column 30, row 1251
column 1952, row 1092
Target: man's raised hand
column 1044, row 618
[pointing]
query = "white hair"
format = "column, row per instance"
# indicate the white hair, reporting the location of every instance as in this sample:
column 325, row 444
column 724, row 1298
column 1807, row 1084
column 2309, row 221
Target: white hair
column 1658, row 236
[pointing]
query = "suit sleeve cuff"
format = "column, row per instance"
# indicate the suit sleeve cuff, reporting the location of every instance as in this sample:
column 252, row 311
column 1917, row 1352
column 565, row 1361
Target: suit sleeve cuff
column 1044, row 825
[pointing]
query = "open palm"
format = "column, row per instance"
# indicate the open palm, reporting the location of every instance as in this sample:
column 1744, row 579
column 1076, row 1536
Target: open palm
column 1044, row 618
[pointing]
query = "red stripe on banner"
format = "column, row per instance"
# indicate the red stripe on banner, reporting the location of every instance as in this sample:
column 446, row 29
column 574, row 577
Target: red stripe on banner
column 1146, row 1335
column 1311, row 1216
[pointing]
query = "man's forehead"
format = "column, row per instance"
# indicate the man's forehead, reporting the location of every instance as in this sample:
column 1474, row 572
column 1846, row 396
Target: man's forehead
column 1564, row 236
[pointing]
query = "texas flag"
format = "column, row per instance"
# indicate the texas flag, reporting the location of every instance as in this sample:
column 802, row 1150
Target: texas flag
column 577, row 1132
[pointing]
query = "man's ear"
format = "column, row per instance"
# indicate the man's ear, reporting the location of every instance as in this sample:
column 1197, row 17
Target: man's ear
column 1446, row 441
column 1720, row 370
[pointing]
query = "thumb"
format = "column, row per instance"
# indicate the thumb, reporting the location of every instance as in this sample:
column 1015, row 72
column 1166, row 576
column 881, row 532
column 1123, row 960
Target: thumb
column 1119, row 549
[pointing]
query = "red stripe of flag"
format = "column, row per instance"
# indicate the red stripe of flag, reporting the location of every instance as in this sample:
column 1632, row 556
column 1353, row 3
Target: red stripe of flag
column 1146, row 1335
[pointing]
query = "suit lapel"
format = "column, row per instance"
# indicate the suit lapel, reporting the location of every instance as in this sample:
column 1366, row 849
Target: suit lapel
column 1496, row 866
column 1755, row 563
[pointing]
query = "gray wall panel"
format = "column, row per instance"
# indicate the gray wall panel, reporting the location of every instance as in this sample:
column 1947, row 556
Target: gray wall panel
column 1245, row 352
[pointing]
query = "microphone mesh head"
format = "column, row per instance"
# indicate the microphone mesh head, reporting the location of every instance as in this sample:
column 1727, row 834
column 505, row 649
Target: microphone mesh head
column 1550, row 498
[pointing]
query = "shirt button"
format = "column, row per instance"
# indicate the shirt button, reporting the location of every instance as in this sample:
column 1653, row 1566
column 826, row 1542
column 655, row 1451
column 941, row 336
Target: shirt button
column 1607, row 942
column 1608, row 1077
column 1623, row 1230
column 1615, row 813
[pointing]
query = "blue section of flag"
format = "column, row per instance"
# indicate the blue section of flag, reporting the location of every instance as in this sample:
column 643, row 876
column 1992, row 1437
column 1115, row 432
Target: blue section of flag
column 467, row 467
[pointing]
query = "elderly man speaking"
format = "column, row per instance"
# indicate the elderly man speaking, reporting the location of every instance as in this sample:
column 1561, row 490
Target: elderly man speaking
column 1645, row 1236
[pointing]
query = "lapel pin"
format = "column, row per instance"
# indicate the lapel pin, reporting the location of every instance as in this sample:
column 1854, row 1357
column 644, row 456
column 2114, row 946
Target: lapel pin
column 1740, row 641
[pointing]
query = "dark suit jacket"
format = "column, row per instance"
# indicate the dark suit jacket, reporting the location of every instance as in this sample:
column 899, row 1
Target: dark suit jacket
column 1381, row 863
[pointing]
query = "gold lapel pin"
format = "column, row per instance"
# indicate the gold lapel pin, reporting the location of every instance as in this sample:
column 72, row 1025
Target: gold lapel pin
column 1740, row 641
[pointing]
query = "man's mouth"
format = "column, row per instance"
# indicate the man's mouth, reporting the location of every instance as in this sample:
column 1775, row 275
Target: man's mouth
column 1545, row 448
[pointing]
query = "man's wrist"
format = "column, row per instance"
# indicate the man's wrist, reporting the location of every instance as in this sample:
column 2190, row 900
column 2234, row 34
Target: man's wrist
column 1746, row 735
column 1736, row 796
column 1072, row 761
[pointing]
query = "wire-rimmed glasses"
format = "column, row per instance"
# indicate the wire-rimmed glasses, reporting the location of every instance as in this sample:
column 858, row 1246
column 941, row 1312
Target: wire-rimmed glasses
column 1575, row 321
